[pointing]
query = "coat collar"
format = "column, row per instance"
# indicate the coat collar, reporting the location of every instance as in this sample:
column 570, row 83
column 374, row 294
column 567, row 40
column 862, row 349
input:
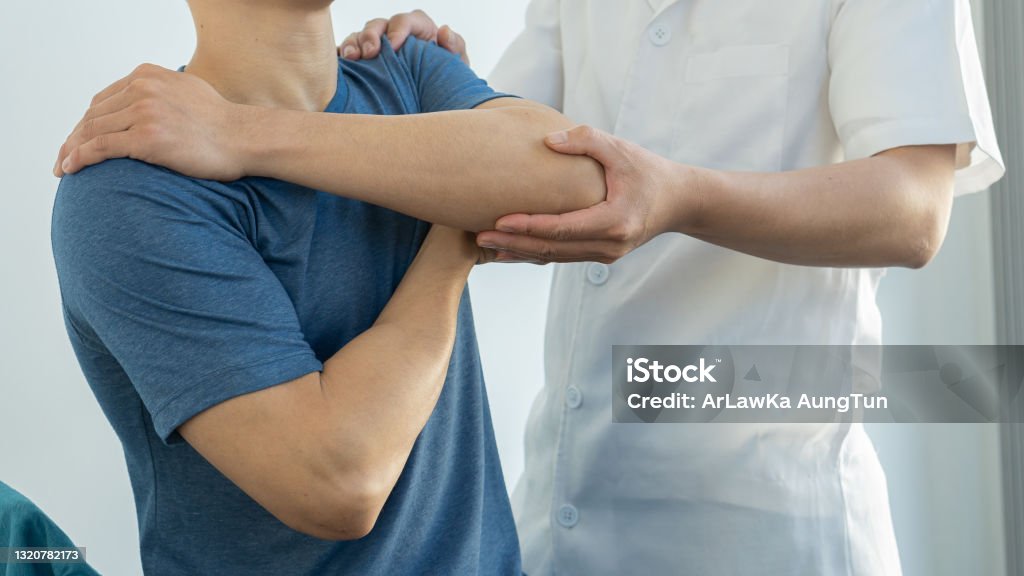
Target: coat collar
column 659, row 6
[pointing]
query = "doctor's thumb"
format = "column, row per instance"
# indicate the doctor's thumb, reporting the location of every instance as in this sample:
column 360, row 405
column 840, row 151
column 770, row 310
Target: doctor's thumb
column 582, row 140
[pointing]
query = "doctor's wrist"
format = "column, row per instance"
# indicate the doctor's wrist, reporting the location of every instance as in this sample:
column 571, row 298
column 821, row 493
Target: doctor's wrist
column 691, row 188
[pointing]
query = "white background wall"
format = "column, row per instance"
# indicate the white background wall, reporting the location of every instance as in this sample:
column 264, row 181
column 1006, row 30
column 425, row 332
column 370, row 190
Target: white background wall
column 56, row 446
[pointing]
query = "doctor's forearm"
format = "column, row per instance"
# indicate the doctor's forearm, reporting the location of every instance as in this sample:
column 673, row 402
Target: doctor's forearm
column 889, row 210
column 463, row 169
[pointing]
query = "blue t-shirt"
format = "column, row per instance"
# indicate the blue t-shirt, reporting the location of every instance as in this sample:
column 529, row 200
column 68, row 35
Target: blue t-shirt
column 182, row 293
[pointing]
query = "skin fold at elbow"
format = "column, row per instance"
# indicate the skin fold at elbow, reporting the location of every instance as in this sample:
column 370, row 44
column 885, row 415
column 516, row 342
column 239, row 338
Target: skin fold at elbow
column 341, row 510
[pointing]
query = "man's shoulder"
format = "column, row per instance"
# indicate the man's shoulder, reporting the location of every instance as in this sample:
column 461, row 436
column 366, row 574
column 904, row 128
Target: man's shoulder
column 121, row 199
column 125, row 185
column 122, row 174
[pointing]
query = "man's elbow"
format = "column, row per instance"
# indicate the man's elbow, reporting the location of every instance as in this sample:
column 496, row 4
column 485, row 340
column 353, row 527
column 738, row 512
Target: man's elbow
column 581, row 184
column 343, row 510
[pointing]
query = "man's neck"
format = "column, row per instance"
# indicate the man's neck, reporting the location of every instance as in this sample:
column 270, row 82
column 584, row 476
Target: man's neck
column 271, row 56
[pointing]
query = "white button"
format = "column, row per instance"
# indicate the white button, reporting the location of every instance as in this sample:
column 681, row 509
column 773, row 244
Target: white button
column 573, row 397
column 660, row 34
column 598, row 273
column 568, row 516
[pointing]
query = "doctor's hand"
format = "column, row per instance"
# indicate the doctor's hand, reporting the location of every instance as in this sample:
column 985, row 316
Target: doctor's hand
column 366, row 44
column 646, row 193
column 161, row 117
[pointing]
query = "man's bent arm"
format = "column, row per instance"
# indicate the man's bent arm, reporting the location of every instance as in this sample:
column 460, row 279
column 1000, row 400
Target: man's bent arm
column 463, row 169
column 322, row 453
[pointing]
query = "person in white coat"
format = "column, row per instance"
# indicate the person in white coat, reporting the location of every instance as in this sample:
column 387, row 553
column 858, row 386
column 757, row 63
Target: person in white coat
column 766, row 161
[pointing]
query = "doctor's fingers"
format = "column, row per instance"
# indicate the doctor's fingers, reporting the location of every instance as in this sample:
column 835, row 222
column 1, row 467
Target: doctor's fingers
column 416, row 23
column 600, row 222
column 453, row 42
column 366, row 42
column 539, row 250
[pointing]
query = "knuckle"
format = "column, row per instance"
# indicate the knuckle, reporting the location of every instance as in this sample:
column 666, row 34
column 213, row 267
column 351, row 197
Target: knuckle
column 587, row 131
column 138, row 87
column 150, row 133
column 88, row 128
column 547, row 252
column 101, row 143
column 145, row 69
column 144, row 109
column 619, row 232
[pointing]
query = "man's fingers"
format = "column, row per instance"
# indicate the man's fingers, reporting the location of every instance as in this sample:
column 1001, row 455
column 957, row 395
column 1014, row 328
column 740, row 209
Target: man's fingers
column 349, row 49
column 453, row 42
column 416, row 23
column 93, row 128
column 116, row 114
column 100, row 148
column 369, row 38
column 117, row 87
column 586, row 141
column 115, row 103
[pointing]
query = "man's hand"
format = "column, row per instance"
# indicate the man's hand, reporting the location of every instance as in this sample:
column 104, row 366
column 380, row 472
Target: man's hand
column 642, row 202
column 366, row 44
column 162, row 117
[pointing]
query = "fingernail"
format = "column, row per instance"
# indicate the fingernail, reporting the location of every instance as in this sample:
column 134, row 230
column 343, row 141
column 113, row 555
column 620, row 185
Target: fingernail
column 501, row 227
column 349, row 51
column 489, row 247
column 558, row 137
column 66, row 165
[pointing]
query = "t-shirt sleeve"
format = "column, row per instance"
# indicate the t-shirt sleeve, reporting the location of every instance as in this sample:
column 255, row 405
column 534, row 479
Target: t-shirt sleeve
column 442, row 81
column 907, row 72
column 161, row 272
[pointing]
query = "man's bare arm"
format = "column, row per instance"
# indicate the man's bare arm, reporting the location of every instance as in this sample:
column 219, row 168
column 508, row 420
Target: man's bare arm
column 463, row 169
column 322, row 453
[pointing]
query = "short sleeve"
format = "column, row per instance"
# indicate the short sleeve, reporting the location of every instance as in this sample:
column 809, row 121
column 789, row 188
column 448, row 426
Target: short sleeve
column 532, row 65
column 907, row 72
column 443, row 83
column 158, row 271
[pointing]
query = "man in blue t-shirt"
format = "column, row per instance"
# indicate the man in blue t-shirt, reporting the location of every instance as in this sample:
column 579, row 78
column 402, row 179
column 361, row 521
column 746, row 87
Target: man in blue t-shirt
column 293, row 373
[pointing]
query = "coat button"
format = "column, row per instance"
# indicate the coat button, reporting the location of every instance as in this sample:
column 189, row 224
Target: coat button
column 573, row 397
column 597, row 273
column 568, row 516
column 660, row 34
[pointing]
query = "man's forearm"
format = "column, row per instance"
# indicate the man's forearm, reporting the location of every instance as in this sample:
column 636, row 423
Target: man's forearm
column 381, row 388
column 463, row 169
column 889, row 210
